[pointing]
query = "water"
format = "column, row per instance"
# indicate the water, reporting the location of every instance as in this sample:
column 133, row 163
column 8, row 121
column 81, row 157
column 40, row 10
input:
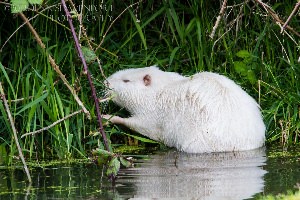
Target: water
column 164, row 175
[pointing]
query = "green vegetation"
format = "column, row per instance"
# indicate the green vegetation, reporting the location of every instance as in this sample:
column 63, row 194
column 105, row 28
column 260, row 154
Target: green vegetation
column 288, row 196
column 247, row 47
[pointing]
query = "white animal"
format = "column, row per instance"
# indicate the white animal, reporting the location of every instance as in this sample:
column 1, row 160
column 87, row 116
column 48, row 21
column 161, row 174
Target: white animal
column 206, row 112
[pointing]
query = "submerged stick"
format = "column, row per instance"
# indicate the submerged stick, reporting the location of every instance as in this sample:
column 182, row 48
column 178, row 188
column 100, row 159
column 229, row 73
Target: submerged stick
column 53, row 124
column 14, row 132
column 80, row 54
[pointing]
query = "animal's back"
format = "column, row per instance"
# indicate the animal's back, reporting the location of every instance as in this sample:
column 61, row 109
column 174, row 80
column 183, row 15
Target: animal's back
column 209, row 113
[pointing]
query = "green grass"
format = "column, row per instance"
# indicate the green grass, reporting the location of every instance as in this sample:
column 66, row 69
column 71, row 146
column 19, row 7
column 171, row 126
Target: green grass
column 171, row 34
column 288, row 196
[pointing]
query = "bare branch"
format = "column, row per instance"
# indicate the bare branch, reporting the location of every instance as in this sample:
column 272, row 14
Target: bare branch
column 218, row 19
column 275, row 17
column 290, row 17
column 14, row 132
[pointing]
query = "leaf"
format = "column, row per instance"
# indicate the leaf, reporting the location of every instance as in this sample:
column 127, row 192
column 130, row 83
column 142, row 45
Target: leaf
column 7, row 79
column 173, row 13
column 45, row 39
column 3, row 154
column 139, row 29
column 18, row 5
column 88, row 54
column 251, row 76
column 36, row 101
column 59, row 103
column 157, row 13
column 243, row 54
column 125, row 162
column 102, row 152
column 173, row 55
column 32, row 110
column 113, row 167
column 47, row 109
column 35, row 1
column 102, row 160
column 190, row 26
column 69, row 140
column 141, row 138
column 240, row 67
column 4, row 117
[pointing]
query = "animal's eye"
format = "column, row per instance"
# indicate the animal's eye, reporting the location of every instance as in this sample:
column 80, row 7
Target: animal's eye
column 126, row 80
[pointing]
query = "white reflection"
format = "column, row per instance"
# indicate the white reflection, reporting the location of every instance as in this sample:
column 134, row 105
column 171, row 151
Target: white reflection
column 177, row 175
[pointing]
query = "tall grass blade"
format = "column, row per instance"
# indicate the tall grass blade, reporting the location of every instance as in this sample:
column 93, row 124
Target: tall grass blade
column 35, row 102
column 139, row 29
column 8, row 80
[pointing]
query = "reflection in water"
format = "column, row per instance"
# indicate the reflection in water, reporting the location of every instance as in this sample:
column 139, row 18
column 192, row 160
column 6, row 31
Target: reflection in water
column 237, row 175
column 169, row 174
column 65, row 181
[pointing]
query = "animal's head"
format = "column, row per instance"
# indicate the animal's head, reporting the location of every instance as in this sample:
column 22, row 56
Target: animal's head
column 133, row 88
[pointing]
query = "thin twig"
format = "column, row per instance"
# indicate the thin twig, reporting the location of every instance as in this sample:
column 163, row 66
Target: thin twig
column 80, row 54
column 290, row 17
column 53, row 124
column 230, row 26
column 14, row 132
column 22, row 99
column 275, row 17
column 222, row 10
column 35, row 34
column 55, row 66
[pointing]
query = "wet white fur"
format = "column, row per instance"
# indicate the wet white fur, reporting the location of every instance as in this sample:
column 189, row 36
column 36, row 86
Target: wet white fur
column 206, row 112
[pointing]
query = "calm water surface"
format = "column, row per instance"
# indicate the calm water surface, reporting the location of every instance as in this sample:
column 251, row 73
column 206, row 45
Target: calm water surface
column 164, row 175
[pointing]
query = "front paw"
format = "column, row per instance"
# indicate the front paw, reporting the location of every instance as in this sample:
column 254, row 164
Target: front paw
column 113, row 119
column 107, row 116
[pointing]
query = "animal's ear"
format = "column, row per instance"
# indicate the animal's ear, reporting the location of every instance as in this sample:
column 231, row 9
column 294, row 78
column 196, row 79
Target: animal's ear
column 147, row 80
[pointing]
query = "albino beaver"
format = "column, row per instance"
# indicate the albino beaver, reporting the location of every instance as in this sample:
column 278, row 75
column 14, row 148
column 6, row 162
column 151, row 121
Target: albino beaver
column 206, row 112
